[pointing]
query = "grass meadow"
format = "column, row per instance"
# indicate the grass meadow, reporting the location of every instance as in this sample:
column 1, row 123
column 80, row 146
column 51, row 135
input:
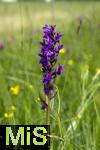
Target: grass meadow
column 75, row 118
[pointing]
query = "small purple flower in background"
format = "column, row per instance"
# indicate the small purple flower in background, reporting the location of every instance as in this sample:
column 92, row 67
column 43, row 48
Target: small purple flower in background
column 50, row 47
column 1, row 45
column 80, row 18
column 80, row 21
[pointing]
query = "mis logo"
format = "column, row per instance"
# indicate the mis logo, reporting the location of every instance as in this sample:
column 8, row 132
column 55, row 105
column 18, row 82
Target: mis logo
column 24, row 137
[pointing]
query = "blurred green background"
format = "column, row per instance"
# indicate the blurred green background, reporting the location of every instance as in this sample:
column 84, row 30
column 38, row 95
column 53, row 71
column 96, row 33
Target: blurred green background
column 75, row 120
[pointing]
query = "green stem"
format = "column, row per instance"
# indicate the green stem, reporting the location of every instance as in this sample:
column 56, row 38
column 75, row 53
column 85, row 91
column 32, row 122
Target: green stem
column 48, row 111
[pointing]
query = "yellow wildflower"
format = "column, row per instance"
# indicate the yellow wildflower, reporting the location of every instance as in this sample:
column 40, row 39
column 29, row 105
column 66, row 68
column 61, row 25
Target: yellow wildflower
column 70, row 62
column 30, row 86
column 98, row 70
column 38, row 99
column 62, row 51
column 8, row 115
column 15, row 90
column 13, row 108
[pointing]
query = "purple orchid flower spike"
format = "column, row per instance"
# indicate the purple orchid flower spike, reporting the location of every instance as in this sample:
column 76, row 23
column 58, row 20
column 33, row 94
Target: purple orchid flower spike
column 50, row 47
